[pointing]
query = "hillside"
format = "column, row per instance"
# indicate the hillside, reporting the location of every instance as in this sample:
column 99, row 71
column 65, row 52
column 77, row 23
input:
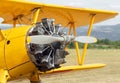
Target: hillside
column 111, row 32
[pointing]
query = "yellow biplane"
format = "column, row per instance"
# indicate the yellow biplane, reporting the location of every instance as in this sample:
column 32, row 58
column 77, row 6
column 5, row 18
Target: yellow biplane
column 36, row 42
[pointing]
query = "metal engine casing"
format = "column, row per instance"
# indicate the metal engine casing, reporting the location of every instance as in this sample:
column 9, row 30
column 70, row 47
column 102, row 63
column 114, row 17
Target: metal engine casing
column 47, row 56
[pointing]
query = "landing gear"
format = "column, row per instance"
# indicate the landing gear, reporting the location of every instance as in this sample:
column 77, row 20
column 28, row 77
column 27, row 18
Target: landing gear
column 36, row 81
column 35, row 78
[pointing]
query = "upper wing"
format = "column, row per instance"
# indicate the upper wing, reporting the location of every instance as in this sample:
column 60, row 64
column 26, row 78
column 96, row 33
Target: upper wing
column 12, row 9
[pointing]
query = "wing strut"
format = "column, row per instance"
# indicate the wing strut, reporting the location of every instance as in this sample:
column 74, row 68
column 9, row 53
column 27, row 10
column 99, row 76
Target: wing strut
column 89, row 33
column 72, row 27
column 76, row 46
column 36, row 14
column 35, row 11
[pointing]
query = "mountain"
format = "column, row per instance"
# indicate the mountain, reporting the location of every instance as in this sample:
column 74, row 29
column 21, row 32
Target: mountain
column 111, row 32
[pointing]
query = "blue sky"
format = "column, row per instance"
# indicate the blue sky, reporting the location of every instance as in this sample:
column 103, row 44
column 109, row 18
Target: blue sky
column 113, row 5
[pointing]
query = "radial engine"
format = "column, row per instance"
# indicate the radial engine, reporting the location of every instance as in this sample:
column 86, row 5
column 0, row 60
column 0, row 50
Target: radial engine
column 51, row 55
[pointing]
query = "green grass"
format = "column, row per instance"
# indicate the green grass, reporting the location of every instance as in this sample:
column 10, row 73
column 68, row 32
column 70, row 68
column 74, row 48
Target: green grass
column 108, row 74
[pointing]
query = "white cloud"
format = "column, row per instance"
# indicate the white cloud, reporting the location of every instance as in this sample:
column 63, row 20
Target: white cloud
column 115, row 6
column 75, row 4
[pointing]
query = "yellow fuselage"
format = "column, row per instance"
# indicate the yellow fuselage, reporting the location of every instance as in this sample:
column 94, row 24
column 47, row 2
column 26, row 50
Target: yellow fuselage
column 13, row 52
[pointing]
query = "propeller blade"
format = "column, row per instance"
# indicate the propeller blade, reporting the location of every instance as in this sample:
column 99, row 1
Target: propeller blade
column 44, row 39
column 85, row 39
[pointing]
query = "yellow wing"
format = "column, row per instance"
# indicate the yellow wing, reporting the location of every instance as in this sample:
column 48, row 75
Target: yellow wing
column 14, row 9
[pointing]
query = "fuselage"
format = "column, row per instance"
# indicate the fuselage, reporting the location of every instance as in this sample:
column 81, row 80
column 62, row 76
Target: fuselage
column 13, row 52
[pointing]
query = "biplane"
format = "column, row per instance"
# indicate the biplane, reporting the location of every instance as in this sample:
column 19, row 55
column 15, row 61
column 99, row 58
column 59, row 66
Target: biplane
column 36, row 42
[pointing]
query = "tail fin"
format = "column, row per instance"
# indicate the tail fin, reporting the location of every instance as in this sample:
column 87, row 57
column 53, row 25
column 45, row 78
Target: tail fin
column 1, row 36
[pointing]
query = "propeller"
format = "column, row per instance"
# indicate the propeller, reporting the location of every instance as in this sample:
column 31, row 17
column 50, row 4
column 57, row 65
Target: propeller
column 47, row 39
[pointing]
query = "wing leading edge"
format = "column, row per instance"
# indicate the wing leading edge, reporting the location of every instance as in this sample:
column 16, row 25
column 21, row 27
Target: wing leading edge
column 14, row 9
